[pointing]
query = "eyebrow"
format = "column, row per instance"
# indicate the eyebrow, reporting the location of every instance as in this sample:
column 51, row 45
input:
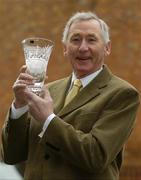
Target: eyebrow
column 87, row 36
column 75, row 34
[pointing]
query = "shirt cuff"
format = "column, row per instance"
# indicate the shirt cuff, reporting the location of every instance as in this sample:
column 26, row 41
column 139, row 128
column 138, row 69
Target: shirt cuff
column 17, row 112
column 46, row 124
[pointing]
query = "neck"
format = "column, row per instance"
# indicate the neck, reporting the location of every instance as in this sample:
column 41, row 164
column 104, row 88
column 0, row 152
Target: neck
column 80, row 76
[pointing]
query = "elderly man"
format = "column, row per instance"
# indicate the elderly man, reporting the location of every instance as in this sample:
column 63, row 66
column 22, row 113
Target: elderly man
column 76, row 129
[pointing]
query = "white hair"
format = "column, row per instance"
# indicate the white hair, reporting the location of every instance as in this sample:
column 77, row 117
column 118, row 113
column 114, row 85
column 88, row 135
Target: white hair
column 83, row 16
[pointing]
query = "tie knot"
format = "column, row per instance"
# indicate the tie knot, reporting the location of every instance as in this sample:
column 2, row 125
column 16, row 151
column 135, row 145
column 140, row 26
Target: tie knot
column 77, row 83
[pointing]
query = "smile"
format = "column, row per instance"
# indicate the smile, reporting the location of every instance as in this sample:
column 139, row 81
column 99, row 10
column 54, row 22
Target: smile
column 83, row 58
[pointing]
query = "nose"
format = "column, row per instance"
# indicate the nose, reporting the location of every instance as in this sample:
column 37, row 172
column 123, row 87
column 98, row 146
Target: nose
column 83, row 46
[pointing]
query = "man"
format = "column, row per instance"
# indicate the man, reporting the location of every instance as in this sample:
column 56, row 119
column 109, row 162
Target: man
column 81, row 138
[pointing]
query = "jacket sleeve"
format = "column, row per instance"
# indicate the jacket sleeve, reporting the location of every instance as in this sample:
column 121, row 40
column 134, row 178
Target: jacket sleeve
column 98, row 148
column 15, row 139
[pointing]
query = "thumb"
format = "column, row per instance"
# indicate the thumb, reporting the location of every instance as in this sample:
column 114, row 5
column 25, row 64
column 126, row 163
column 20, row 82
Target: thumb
column 23, row 69
column 29, row 95
column 45, row 93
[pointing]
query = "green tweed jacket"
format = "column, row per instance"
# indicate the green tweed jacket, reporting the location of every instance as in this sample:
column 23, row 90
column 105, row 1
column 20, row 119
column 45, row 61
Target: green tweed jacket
column 84, row 141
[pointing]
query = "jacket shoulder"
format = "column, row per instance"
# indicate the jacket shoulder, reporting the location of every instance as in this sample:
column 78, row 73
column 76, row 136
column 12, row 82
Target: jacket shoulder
column 122, row 84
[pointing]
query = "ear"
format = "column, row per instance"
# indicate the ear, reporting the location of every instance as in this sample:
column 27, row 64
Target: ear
column 108, row 48
column 64, row 49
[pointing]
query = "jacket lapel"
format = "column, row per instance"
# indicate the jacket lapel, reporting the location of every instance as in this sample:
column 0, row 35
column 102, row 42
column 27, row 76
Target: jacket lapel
column 83, row 97
column 58, row 92
column 91, row 91
column 59, row 89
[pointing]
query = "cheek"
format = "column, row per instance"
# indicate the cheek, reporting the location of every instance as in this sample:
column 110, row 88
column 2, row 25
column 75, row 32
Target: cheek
column 70, row 52
column 99, row 53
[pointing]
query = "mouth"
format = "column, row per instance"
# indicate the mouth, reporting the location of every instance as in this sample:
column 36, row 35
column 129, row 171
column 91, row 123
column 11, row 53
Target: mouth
column 83, row 58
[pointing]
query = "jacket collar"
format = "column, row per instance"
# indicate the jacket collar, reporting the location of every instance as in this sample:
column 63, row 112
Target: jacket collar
column 59, row 90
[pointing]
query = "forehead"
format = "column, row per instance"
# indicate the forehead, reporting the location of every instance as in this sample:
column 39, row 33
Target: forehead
column 85, row 27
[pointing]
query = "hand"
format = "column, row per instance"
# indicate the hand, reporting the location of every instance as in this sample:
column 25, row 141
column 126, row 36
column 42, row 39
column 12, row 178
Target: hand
column 40, row 107
column 20, row 86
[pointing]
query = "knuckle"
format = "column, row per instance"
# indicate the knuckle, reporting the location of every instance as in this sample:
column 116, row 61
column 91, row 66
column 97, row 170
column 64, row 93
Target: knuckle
column 21, row 75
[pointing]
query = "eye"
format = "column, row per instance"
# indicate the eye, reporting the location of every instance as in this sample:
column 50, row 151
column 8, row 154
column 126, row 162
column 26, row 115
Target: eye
column 75, row 39
column 91, row 40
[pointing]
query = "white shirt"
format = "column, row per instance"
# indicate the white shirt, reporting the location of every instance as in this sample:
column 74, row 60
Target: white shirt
column 9, row 172
column 16, row 113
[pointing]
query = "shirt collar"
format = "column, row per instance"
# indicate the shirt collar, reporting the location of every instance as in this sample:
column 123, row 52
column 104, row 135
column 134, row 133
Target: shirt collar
column 86, row 80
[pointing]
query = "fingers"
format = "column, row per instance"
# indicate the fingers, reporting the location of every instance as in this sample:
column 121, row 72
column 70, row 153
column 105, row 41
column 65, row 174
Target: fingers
column 23, row 80
column 45, row 94
column 25, row 77
column 21, row 84
column 23, row 69
column 17, row 86
column 31, row 97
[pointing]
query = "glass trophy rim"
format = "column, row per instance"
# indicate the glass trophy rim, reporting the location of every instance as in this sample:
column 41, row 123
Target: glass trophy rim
column 37, row 39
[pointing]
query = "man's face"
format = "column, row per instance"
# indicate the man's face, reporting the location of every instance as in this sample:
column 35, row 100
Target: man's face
column 85, row 47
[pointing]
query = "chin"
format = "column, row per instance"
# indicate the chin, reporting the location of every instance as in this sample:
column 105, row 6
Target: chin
column 83, row 70
column 83, row 73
